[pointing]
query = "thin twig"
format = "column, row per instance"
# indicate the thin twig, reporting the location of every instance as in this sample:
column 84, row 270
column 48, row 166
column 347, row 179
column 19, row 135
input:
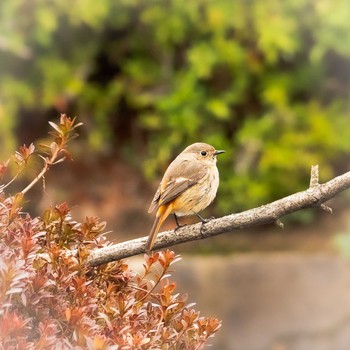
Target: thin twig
column 37, row 178
column 54, row 159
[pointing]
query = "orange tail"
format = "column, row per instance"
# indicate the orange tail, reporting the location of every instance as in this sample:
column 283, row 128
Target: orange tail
column 162, row 213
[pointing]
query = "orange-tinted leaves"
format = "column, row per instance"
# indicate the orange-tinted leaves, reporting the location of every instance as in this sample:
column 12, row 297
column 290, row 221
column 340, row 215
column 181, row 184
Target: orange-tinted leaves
column 49, row 297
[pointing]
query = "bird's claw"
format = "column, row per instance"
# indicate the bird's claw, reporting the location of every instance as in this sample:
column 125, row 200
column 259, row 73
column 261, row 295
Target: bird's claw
column 179, row 226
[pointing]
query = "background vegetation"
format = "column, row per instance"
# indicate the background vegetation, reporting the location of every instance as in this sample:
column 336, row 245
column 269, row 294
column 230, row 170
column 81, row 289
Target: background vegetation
column 267, row 81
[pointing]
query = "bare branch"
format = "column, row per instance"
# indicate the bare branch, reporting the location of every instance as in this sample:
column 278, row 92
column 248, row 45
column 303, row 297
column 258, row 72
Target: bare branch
column 314, row 182
column 315, row 195
column 38, row 177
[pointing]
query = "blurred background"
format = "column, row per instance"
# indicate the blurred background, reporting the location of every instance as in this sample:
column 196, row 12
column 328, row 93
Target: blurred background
column 268, row 81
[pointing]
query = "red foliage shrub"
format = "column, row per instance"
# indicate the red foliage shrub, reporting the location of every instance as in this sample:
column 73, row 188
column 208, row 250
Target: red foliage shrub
column 51, row 299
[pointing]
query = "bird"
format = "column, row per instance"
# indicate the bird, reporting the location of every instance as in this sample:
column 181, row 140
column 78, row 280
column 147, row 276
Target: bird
column 188, row 186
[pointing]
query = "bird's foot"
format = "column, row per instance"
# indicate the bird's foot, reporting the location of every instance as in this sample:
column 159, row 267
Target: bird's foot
column 204, row 221
column 178, row 225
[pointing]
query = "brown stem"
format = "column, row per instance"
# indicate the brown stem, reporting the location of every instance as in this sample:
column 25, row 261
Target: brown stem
column 48, row 163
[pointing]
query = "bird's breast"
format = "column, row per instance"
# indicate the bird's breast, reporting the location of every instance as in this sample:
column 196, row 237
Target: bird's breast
column 199, row 196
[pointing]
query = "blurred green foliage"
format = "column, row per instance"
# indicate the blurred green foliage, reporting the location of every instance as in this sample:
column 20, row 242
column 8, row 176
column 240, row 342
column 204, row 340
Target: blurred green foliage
column 269, row 81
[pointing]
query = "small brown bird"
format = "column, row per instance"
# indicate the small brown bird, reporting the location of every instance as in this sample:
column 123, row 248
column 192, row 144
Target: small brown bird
column 188, row 186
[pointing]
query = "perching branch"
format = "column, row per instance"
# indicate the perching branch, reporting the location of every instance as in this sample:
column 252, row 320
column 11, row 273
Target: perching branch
column 314, row 196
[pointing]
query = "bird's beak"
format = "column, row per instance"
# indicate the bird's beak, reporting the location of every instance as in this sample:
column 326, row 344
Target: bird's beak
column 218, row 152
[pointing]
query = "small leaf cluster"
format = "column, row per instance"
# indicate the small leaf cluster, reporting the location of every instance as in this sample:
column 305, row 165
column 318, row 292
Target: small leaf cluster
column 53, row 153
column 51, row 298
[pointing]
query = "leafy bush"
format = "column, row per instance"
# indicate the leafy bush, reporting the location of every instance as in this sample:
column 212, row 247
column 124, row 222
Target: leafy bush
column 50, row 297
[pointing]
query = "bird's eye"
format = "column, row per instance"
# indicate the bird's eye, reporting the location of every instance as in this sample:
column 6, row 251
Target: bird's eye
column 203, row 153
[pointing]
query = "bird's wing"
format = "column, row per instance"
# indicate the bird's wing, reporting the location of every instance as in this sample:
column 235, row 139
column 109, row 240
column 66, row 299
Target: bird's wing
column 155, row 201
column 189, row 174
column 174, row 188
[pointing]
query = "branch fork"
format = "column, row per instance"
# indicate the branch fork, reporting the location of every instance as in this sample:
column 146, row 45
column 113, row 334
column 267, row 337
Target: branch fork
column 314, row 184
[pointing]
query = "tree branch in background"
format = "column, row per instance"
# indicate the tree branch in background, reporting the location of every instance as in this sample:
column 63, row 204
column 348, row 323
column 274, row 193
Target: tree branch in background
column 314, row 196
